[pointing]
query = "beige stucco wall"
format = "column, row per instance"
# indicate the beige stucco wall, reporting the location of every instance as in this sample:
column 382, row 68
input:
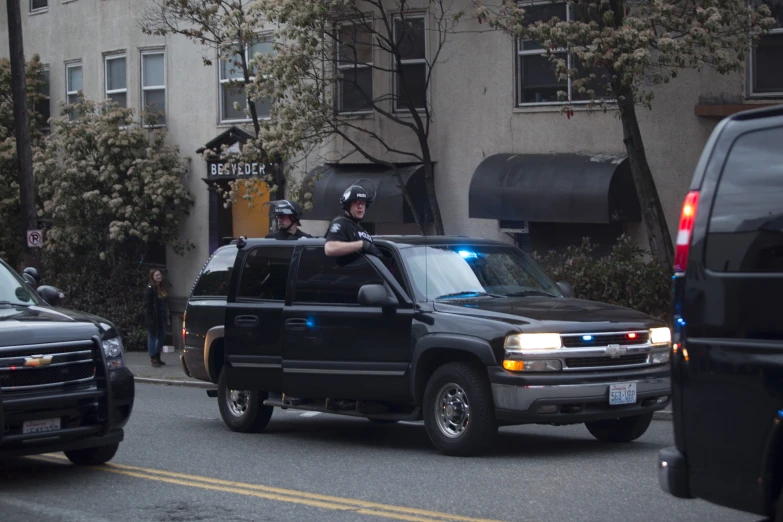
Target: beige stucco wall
column 472, row 96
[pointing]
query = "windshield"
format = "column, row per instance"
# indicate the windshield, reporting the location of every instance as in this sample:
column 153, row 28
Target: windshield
column 13, row 290
column 464, row 272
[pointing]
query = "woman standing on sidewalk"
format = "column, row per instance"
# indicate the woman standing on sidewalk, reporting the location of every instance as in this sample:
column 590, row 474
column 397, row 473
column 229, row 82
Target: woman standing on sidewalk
column 155, row 316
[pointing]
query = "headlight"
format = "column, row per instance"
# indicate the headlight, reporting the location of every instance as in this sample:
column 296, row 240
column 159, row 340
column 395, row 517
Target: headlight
column 533, row 341
column 112, row 349
column 660, row 336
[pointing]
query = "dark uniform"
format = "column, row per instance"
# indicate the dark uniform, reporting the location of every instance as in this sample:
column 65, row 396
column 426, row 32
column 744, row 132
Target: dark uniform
column 293, row 211
column 284, row 235
column 346, row 229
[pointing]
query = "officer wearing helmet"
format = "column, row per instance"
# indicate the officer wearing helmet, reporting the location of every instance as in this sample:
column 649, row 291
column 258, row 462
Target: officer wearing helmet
column 345, row 235
column 287, row 214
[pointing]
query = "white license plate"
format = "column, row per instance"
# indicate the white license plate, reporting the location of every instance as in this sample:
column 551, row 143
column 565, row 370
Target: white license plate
column 622, row 393
column 41, row 426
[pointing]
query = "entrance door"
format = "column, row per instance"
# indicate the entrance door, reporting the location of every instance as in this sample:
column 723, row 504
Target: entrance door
column 334, row 347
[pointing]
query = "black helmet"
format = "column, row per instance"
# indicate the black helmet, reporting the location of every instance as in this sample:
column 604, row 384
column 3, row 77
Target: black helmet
column 32, row 273
column 287, row 208
column 355, row 193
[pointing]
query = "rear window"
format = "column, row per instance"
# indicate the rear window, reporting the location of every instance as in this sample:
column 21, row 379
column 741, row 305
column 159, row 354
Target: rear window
column 746, row 225
column 265, row 274
column 216, row 276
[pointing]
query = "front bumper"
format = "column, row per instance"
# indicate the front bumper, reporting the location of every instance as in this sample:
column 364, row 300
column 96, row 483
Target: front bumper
column 673, row 472
column 561, row 398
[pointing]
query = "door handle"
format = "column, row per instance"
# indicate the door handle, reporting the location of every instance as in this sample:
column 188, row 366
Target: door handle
column 295, row 324
column 246, row 320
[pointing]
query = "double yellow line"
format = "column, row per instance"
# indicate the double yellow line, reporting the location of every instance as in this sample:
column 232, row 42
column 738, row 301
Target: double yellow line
column 280, row 494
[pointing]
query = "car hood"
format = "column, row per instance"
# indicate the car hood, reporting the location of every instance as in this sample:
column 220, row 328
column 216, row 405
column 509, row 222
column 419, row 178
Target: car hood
column 550, row 314
column 21, row 325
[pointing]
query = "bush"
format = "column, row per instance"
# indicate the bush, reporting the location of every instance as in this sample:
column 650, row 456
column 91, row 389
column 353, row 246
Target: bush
column 622, row 278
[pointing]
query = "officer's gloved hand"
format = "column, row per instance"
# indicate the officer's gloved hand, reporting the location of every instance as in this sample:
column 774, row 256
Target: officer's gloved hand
column 370, row 248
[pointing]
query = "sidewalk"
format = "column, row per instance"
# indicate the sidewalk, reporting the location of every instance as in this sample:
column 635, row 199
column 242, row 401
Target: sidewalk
column 172, row 374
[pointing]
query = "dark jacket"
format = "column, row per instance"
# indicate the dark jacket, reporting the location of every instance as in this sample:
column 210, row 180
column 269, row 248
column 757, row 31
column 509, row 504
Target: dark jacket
column 282, row 234
column 152, row 309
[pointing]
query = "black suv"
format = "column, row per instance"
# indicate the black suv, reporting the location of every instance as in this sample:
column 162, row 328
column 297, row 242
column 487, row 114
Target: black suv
column 64, row 385
column 727, row 363
column 467, row 334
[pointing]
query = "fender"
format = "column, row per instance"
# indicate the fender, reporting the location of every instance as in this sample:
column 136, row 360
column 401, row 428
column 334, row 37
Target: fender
column 459, row 343
column 213, row 334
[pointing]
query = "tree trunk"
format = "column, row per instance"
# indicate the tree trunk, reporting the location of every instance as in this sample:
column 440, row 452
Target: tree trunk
column 429, row 183
column 24, row 154
column 652, row 212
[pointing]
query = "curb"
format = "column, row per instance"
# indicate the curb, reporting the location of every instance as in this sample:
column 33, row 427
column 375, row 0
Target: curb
column 172, row 382
column 662, row 415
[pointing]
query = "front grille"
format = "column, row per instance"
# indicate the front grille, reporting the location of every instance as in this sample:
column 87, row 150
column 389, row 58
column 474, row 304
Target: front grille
column 49, row 365
column 597, row 362
column 595, row 340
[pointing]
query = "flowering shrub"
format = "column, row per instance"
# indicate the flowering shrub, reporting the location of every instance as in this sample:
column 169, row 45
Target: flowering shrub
column 622, row 278
column 112, row 190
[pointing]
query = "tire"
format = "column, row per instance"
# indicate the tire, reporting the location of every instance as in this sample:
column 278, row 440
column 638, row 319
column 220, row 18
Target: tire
column 93, row 456
column 243, row 411
column 459, row 413
column 625, row 429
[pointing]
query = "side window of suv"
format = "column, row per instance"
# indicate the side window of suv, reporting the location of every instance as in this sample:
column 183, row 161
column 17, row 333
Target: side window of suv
column 332, row 280
column 746, row 226
column 265, row 274
column 216, row 276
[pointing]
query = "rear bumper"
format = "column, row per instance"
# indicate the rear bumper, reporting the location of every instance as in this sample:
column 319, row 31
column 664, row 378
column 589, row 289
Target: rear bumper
column 572, row 398
column 673, row 472
column 50, row 446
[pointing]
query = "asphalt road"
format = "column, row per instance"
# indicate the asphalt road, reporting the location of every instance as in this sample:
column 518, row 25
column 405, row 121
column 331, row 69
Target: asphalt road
column 180, row 463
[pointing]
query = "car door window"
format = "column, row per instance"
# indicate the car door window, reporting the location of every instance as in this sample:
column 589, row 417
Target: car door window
column 746, row 226
column 216, row 276
column 332, row 280
column 265, row 274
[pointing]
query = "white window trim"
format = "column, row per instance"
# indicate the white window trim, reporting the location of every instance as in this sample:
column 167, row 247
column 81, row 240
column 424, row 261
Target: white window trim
column 425, row 17
column 223, row 82
column 68, row 93
column 39, row 10
column 751, row 71
column 106, row 59
column 348, row 66
column 154, row 87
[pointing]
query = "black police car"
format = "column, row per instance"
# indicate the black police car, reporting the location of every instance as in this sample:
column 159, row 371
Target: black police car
column 466, row 334
column 727, row 364
column 64, row 385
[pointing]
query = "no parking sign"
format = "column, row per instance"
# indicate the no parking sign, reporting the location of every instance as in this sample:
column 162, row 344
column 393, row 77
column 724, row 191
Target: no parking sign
column 34, row 238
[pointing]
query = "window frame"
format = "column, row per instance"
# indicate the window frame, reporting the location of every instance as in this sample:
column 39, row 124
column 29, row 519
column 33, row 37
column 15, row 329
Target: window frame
column 299, row 264
column 32, row 10
column 414, row 61
column 750, row 79
column 107, row 93
column 151, row 52
column 262, row 36
column 68, row 93
column 244, row 299
column 352, row 65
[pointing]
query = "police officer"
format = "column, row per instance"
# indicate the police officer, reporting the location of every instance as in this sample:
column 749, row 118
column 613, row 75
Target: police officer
column 287, row 214
column 345, row 235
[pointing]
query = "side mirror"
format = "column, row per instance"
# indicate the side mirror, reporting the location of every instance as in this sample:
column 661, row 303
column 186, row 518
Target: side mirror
column 566, row 288
column 377, row 295
column 51, row 295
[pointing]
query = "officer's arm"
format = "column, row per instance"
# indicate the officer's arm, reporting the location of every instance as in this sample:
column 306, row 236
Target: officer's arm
column 341, row 248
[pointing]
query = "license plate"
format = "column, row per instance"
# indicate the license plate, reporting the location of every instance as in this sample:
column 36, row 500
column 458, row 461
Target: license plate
column 622, row 393
column 40, row 426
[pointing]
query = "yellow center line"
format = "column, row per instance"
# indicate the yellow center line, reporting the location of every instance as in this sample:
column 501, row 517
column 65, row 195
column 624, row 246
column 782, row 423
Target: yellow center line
column 280, row 494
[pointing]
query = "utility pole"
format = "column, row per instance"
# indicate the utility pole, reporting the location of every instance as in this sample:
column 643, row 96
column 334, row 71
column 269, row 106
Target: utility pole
column 24, row 151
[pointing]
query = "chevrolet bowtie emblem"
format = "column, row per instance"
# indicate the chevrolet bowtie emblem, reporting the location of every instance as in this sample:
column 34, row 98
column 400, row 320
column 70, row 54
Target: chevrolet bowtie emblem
column 615, row 350
column 35, row 361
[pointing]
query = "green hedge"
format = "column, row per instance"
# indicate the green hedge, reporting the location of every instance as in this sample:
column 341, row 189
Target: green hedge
column 623, row 278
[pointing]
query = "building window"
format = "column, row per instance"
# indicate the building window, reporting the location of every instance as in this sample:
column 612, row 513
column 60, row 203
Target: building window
column 43, row 106
column 232, row 89
column 38, row 5
column 766, row 63
column 153, row 84
column 73, row 85
column 537, row 82
column 354, row 66
column 116, row 80
column 410, row 39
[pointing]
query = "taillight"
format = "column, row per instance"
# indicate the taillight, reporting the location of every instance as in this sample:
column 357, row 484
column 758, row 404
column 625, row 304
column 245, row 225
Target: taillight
column 184, row 318
column 685, row 232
